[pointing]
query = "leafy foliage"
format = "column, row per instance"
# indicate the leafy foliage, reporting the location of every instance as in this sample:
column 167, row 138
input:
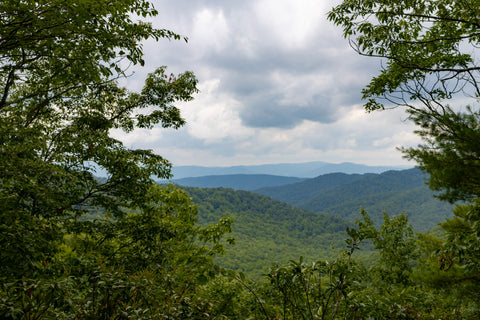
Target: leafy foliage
column 143, row 257
column 430, row 48
column 395, row 286
column 427, row 45
column 147, row 265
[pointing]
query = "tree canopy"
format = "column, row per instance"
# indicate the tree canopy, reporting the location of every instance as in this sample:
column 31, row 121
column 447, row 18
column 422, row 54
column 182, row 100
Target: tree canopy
column 59, row 101
column 429, row 52
column 74, row 244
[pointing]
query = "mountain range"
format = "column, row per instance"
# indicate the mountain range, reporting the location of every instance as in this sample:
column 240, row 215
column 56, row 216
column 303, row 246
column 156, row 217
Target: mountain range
column 300, row 170
column 342, row 194
column 307, row 217
column 237, row 181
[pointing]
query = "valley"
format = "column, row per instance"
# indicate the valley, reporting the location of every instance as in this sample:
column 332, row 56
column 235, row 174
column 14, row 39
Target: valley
column 309, row 216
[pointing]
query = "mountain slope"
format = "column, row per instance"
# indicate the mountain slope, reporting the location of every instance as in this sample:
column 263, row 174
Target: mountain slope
column 268, row 230
column 364, row 185
column 237, row 181
column 392, row 191
column 423, row 210
column 301, row 191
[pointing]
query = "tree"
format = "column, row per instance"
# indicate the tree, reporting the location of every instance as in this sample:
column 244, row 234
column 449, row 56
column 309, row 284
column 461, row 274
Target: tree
column 148, row 265
column 429, row 51
column 59, row 100
column 396, row 244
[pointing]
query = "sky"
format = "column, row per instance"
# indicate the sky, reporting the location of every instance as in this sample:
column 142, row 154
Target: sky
column 278, row 84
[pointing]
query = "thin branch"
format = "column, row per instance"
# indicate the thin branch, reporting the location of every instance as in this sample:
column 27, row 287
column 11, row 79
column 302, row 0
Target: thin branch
column 428, row 17
column 259, row 301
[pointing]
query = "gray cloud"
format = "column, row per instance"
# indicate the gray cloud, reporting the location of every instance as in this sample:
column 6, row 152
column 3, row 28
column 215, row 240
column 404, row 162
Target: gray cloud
column 269, row 111
column 260, row 70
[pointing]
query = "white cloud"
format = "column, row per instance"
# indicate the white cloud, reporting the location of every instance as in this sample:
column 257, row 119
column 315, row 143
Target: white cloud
column 210, row 31
column 213, row 115
column 293, row 23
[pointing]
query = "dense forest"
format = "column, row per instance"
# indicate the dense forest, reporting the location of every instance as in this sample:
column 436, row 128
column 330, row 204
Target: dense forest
column 342, row 195
column 123, row 247
column 266, row 230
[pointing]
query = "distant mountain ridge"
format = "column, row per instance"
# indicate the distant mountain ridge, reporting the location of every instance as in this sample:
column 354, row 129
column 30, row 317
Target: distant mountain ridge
column 300, row 170
column 246, row 182
column 344, row 186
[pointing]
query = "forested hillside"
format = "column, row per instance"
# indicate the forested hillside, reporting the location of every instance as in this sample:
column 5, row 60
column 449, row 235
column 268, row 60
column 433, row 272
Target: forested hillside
column 299, row 192
column 267, row 230
column 342, row 195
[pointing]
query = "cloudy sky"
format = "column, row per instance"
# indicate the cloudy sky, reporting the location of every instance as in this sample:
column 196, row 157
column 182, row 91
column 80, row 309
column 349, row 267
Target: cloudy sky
column 278, row 84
